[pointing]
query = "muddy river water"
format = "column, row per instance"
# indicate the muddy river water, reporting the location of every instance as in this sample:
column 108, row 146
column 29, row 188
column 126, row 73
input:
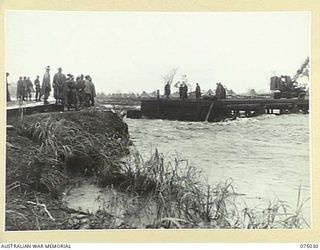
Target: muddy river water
column 267, row 157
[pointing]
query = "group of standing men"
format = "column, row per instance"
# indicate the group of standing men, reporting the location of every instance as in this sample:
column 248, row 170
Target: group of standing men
column 220, row 91
column 66, row 90
column 183, row 91
column 24, row 88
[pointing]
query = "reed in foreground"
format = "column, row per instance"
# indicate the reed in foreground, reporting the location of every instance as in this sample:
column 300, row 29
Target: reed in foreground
column 179, row 198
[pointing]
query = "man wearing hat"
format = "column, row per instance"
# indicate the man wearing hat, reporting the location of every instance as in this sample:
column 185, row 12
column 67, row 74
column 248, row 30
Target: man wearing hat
column 198, row 91
column 167, row 90
column 80, row 89
column 220, row 91
column 8, row 94
column 46, row 85
column 25, row 89
column 37, row 85
column 89, row 90
column 72, row 98
column 93, row 91
column 58, row 84
column 30, row 88
column 20, row 89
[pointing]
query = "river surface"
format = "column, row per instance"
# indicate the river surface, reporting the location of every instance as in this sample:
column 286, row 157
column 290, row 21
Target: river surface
column 267, row 157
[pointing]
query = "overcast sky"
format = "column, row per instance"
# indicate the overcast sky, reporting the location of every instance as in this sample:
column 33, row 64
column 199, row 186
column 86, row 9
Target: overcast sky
column 131, row 51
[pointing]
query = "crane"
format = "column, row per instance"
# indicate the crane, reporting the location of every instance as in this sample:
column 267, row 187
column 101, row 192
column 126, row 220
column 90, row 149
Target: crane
column 286, row 86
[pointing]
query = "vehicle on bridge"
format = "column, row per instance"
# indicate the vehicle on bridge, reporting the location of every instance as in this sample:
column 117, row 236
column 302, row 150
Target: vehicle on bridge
column 287, row 87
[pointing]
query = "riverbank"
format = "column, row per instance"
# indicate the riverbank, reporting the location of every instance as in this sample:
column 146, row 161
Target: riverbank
column 56, row 160
column 47, row 152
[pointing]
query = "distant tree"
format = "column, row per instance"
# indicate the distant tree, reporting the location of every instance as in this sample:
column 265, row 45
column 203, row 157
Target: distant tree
column 169, row 76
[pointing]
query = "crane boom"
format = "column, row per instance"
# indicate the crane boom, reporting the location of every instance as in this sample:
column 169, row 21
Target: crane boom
column 300, row 70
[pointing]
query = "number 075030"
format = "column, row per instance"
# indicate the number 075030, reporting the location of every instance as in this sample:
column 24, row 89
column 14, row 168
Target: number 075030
column 305, row 245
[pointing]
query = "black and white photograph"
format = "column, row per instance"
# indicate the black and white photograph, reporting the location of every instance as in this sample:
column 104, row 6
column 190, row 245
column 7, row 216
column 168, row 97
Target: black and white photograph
column 157, row 120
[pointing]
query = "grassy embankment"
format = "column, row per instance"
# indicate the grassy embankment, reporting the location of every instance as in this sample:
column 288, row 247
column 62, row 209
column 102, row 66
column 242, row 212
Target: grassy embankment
column 48, row 153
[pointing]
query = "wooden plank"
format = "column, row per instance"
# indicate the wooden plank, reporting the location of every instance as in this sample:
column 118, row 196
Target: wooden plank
column 28, row 110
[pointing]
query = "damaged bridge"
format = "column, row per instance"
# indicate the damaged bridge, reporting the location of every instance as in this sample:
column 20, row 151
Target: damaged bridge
column 216, row 110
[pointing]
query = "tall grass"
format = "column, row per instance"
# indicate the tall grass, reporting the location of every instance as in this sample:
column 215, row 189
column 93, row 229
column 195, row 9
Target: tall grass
column 60, row 146
column 65, row 146
column 181, row 199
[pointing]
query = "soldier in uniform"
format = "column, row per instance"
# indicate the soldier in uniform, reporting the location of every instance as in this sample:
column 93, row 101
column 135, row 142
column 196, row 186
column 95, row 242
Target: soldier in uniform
column 7, row 84
column 25, row 89
column 198, row 91
column 58, row 84
column 29, row 88
column 20, row 89
column 185, row 90
column 220, row 91
column 38, row 88
column 72, row 98
column 224, row 92
column 93, row 91
column 89, row 90
column 46, row 85
column 80, row 89
column 181, row 91
column 167, row 90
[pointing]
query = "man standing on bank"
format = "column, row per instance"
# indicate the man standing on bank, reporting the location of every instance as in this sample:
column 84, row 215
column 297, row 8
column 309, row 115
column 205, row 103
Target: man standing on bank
column 46, row 85
column 30, row 88
column 72, row 97
column 38, row 88
column 58, row 84
column 20, row 89
column 90, row 91
column 25, row 89
column 7, row 83
column 93, row 91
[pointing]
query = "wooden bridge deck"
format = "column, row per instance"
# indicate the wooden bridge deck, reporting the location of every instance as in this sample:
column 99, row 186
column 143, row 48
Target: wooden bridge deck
column 198, row 110
column 31, row 107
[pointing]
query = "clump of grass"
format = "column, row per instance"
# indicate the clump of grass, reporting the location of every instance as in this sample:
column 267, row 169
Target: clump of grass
column 64, row 145
column 178, row 192
column 275, row 215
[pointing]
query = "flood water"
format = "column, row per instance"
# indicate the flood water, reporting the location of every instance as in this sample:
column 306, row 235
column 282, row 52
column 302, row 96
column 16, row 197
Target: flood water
column 267, row 157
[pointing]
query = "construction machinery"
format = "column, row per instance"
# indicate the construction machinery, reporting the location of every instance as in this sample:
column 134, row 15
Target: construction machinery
column 287, row 86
